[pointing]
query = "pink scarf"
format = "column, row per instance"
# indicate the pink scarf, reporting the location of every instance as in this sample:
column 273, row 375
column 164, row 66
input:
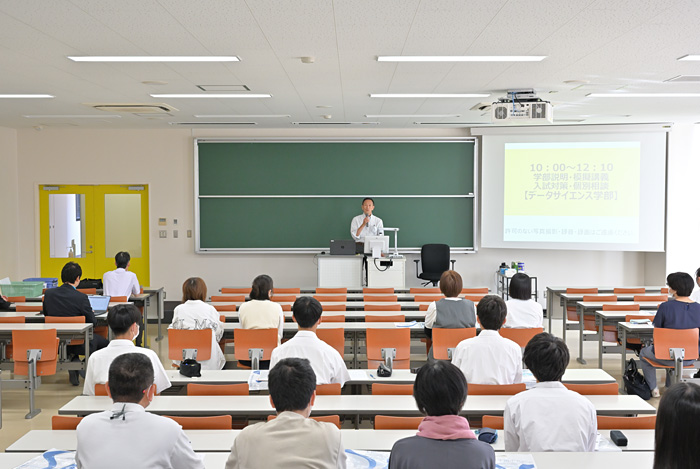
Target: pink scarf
column 445, row 427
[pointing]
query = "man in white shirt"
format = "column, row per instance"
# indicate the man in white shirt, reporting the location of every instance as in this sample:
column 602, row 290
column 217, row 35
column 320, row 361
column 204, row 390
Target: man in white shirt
column 549, row 417
column 127, row 435
column 326, row 362
column 490, row 358
column 366, row 224
column 124, row 322
column 695, row 296
column 121, row 282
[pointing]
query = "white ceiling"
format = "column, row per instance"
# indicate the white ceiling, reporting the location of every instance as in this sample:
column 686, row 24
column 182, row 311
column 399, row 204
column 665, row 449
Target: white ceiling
column 613, row 44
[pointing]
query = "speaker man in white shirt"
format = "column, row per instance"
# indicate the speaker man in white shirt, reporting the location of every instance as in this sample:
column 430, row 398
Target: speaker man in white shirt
column 366, row 224
column 127, row 435
column 549, row 417
column 326, row 362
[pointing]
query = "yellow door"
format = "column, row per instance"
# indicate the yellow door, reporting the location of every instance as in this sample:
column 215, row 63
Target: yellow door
column 91, row 224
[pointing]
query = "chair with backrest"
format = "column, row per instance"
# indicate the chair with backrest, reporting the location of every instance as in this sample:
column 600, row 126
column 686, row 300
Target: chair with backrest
column 227, row 298
column 219, row 307
column 386, row 422
column 628, row 291
column 330, row 389
column 385, row 318
column 88, row 291
column 65, row 422
column 423, row 307
column 676, row 345
column 37, row 308
column 231, row 290
column 216, row 422
column 424, row 291
column 189, row 343
column 389, row 307
column 520, row 336
column 428, row 298
column 283, row 298
column 288, row 291
column 380, row 298
column 377, row 291
column 571, row 314
column 288, row 307
column 254, row 345
column 333, row 337
column 385, row 389
column 334, row 318
column 435, row 259
column 600, row 389
column 118, row 299
column 659, row 298
column 35, row 355
column 474, row 298
column 328, row 307
column 16, row 299
column 642, row 422
column 475, row 291
column 238, row 389
column 492, row 421
column 446, row 340
column 610, row 332
column 334, row 419
column 589, row 319
column 331, row 298
column 495, row 389
column 389, row 346
column 325, row 290
column 100, row 389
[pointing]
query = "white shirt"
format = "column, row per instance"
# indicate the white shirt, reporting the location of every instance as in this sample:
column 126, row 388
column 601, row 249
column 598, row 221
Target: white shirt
column 695, row 295
column 549, row 417
column 262, row 314
column 489, row 358
column 139, row 439
column 523, row 313
column 196, row 314
column 374, row 227
column 99, row 361
column 120, row 282
column 325, row 360
column 431, row 313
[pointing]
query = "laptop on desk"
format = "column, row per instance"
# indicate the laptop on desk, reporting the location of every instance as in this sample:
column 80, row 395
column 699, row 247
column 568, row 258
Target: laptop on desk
column 342, row 247
column 99, row 303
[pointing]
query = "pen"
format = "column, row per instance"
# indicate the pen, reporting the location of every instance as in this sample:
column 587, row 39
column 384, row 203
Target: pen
column 372, row 376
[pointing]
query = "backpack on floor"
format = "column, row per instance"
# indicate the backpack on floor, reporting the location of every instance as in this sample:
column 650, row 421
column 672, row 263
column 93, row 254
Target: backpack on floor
column 634, row 382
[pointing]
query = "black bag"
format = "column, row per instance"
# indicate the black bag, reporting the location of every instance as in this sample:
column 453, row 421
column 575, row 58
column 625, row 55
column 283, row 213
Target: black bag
column 634, row 382
column 90, row 283
column 191, row 368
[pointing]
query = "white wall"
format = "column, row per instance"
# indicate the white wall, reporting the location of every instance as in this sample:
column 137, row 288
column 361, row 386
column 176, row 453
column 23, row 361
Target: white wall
column 9, row 258
column 163, row 159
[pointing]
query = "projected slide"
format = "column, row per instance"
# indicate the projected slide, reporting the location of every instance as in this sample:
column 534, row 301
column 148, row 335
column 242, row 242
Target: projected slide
column 572, row 192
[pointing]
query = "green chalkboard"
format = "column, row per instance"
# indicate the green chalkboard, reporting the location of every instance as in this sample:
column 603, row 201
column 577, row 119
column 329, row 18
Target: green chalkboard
column 300, row 195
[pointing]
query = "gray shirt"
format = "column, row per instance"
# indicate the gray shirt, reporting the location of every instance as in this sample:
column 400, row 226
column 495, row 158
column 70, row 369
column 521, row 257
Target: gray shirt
column 420, row 453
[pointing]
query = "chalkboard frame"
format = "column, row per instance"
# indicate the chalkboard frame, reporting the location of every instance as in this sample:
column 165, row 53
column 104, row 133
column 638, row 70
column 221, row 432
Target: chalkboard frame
column 198, row 197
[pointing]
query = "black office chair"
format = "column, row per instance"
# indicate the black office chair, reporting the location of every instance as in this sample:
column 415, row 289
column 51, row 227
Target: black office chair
column 436, row 260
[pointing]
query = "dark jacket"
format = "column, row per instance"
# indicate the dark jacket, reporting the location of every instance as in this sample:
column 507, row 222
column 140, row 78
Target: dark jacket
column 67, row 301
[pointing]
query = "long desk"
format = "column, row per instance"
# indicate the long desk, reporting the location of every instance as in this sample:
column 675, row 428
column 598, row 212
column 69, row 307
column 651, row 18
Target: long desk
column 222, row 440
column 612, row 318
column 349, row 305
column 344, row 405
column 352, row 315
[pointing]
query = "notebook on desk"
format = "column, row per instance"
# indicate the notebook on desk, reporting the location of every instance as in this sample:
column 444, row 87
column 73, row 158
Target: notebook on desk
column 99, row 303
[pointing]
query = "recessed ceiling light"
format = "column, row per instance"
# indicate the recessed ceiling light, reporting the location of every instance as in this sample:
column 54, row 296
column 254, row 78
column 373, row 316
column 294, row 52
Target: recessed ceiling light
column 26, row 96
column 412, row 115
column 460, row 58
column 429, row 95
column 155, row 58
column 211, row 95
column 154, row 82
column 323, row 106
column 228, row 116
column 71, row 116
column 689, row 57
column 643, row 95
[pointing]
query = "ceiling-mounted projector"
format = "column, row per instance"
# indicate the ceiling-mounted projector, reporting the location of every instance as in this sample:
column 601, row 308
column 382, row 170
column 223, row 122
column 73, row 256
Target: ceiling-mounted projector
column 521, row 107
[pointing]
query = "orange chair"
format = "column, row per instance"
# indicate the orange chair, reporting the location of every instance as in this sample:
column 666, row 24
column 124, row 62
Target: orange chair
column 253, row 345
column 220, row 307
column 379, row 340
column 334, row 419
column 677, row 345
column 659, row 298
column 495, row 389
column 228, row 291
column 446, row 340
column 35, row 355
column 231, row 298
column 424, row 291
column 189, row 343
column 664, row 290
column 324, row 291
column 475, row 291
column 88, row 291
column 65, row 422
column 288, row 291
column 492, row 421
column 374, row 290
column 16, row 299
column 283, row 298
column 334, row 318
column 9, row 349
column 389, row 307
column 604, row 389
column 216, row 422
column 29, row 308
column 64, row 320
column 474, row 298
column 288, row 307
column 100, row 389
column 333, row 337
column 380, row 298
column 387, row 318
column 610, row 332
column 589, row 319
column 642, row 422
column 239, row 389
column 520, row 336
column 383, row 389
column 385, row 422
column 331, row 389
column 571, row 314
column 118, row 299
column 628, row 291
column 331, row 298
column 423, row 307
column 332, row 307
column 428, row 298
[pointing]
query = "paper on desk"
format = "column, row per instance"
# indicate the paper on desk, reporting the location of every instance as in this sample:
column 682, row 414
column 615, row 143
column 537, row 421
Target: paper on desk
column 528, row 378
column 360, row 459
column 603, row 443
column 515, row 461
column 357, row 375
column 5, row 281
column 257, row 381
column 53, row 458
column 409, row 324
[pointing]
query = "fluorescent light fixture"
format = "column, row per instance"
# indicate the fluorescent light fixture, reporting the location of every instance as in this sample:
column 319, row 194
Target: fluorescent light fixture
column 689, row 57
column 461, row 58
column 25, row 96
column 428, row 95
column 71, row 116
column 155, row 58
column 229, row 116
column 643, row 95
column 413, row 115
column 211, row 95
column 335, row 123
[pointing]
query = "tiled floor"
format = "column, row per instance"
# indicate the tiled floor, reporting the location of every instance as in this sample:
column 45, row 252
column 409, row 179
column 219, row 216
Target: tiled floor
column 56, row 391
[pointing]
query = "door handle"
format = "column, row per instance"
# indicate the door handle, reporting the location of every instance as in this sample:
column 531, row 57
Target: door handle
column 88, row 252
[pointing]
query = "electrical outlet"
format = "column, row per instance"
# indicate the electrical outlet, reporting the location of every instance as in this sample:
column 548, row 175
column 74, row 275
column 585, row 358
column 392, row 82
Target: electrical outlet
column 189, row 233
column 174, row 221
column 174, row 233
column 163, row 234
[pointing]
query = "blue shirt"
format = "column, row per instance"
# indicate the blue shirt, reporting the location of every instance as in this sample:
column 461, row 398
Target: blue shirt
column 674, row 314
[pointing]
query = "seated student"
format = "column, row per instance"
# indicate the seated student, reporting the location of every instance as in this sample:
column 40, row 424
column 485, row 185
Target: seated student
column 678, row 313
column 127, row 435
column 124, row 322
column 444, row 439
column 490, row 358
column 325, row 360
column 292, row 439
column 260, row 312
column 194, row 313
column 677, row 431
column 523, row 311
column 67, row 301
column 451, row 312
column 121, row 282
column 549, row 417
